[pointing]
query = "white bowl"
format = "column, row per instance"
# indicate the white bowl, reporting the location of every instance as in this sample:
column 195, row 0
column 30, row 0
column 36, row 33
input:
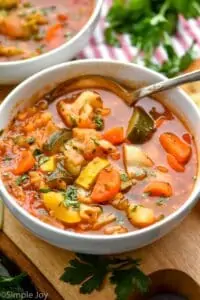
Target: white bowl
column 13, row 72
column 86, row 243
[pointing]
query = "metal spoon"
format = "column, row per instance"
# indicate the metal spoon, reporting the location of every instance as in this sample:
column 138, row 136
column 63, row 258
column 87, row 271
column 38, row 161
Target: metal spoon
column 163, row 86
column 129, row 96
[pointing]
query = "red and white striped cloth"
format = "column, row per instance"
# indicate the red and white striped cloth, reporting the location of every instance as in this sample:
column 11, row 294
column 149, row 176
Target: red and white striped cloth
column 187, row 32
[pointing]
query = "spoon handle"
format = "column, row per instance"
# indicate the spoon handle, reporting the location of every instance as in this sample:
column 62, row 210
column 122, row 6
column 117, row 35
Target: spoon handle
column 165, row 85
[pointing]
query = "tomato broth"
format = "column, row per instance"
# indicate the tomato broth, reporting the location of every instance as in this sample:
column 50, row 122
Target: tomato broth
column 95, row 176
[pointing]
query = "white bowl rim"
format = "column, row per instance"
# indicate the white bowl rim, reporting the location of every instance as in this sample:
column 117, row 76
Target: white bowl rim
column 86, row 236
column 96, row 11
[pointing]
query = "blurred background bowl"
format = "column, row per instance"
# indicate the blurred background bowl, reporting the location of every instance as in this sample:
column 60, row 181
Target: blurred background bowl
column 15, row 71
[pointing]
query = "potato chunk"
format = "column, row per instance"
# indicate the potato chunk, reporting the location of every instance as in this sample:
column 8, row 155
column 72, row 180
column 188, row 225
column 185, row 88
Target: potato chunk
column 7, row 4
column 10, row 51
column 141, row 216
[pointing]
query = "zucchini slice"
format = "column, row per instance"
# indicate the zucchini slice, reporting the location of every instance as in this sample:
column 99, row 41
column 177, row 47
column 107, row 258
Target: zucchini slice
column 140, row 126
column 56, row 141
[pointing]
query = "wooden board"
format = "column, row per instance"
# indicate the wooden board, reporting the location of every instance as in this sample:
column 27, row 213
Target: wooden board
column 179, row 250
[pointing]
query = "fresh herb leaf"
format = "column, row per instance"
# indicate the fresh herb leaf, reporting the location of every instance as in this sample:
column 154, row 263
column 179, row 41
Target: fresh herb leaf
column 90, row 271
column 148, row 22
column 87, row 270
column 11, row 287
column 21, row 179
column 161, row 201
column 161, row 217
column 27, row 4
column 111, row 37
column 8, row 281
column 30, row 140
column 68, row 35
column 95, row 141
column 175, row 64
column 99, row 122
column 37, row 152
column 124, row 177
column 42, row 159
column 71, row 197
column 7, row 158
column 73, row 120
column 129, row 280
column 45, row 190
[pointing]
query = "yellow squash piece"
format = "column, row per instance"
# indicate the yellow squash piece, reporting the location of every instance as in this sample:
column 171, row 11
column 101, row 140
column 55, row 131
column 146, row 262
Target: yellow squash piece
column 54, row 201
column 91, row 171
column 49, row 165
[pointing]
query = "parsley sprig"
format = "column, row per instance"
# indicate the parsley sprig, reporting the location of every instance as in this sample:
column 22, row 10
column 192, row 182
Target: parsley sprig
column 71, row 197
column 90, row 271
column 11, row 286
column 148, row 22
column 174, row 64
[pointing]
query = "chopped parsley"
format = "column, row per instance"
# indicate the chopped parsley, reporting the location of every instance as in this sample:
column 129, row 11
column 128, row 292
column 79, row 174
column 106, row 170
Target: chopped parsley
column 95, row 141
column 7, row 158
column 30, row 140
column 71, row 197
column 27, row 4
column 68, row 35
column 37, row 152
column 44, row 190
column 99, row 122
column 21, row 179
column 42, row 159
column 161, row 201
column 161, row 217
column 124, row 177
column 73, row 120
column 134, row 208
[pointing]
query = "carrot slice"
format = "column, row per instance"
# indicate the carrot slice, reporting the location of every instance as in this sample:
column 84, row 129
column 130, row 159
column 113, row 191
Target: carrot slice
column 107, row 186
column 52, row 32
column 176, row 147
column 162, row 169
column 25, row 163
column 174, row 164
column 159, row 188
column 114, row 135
column 86, row 124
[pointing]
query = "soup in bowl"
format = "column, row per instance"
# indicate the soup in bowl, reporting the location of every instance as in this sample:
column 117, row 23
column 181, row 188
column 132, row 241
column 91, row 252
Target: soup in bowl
column 30, row 28
column 80, row 168
column 35, row 34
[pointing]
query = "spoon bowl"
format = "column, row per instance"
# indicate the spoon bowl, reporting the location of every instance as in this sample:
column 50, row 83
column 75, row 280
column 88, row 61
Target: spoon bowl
column 130, row 97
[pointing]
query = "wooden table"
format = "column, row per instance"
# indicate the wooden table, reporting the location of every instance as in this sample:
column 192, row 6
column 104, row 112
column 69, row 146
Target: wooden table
column 179, row 250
